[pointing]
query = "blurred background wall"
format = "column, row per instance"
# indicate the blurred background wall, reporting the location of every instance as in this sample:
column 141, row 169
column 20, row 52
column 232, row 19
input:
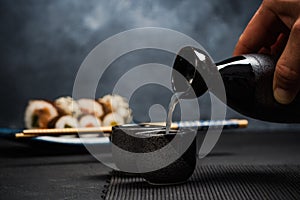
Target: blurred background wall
column 44, row 42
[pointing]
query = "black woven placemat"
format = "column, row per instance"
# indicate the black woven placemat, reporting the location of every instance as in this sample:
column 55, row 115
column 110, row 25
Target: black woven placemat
column 214, row 182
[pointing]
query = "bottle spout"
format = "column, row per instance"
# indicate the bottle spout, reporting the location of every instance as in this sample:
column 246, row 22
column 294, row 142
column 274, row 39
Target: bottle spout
column 190, row 67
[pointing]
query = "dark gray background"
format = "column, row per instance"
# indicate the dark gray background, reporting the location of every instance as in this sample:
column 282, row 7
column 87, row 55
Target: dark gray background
column 44, row 42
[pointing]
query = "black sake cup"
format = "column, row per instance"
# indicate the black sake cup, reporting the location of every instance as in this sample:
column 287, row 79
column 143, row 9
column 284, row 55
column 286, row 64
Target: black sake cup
column 144, row 140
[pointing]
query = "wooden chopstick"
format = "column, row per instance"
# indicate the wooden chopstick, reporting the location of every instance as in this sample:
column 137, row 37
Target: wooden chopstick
column 63, row 131
column 103, row 129
column 106, row 130
column 232, row 123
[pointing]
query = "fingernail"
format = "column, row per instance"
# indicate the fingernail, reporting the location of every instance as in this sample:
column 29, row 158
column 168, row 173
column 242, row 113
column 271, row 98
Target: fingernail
column 283, row 96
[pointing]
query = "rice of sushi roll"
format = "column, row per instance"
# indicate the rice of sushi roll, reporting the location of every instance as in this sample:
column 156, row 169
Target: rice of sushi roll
column 117, row 104
column 125, row 113
column 39, row 113
column 89, row 121
column 114, row 101
column 66, row 121
column 67, row 106
column 112, row 119
column 90, row 107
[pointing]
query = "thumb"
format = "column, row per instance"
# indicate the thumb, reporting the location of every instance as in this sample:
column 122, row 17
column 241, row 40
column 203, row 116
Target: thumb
column 286, row 82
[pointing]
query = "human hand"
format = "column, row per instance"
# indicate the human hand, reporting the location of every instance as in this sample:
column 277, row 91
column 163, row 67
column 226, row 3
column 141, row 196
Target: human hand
column 275, row 30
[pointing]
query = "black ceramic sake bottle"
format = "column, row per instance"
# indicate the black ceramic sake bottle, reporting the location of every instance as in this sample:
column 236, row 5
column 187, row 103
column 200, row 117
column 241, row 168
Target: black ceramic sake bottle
column 247, row 80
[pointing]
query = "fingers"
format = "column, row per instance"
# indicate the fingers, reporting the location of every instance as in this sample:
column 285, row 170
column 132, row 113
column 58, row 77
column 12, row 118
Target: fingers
column 262, row 31
column 286, row 82
column 268, row 32
column 278, row 47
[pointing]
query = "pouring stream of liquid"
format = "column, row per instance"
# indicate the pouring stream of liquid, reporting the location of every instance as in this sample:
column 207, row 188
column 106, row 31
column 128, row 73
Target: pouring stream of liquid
column 174, row 101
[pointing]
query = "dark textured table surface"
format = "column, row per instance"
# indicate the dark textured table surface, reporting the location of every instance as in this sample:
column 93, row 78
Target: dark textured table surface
column 28, row 172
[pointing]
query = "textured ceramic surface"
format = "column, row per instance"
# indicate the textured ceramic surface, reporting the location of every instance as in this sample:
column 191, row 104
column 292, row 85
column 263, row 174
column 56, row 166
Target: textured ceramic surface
column 139, row 140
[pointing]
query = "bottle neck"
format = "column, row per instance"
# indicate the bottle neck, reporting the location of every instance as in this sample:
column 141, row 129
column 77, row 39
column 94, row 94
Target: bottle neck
column 238, row 60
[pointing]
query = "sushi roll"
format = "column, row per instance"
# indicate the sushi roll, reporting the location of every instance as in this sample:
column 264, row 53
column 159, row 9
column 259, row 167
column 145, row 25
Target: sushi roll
column 39, row 113
column 89, row 121
column 66, row 121
column 67, row 106
column 125, row 113
column 117, row 104
column 90, row 107
column 113, row 119
column 113, row 102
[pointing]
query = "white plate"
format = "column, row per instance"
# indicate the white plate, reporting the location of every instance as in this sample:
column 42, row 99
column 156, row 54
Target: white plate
column 73, row 140
column 88, row 139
